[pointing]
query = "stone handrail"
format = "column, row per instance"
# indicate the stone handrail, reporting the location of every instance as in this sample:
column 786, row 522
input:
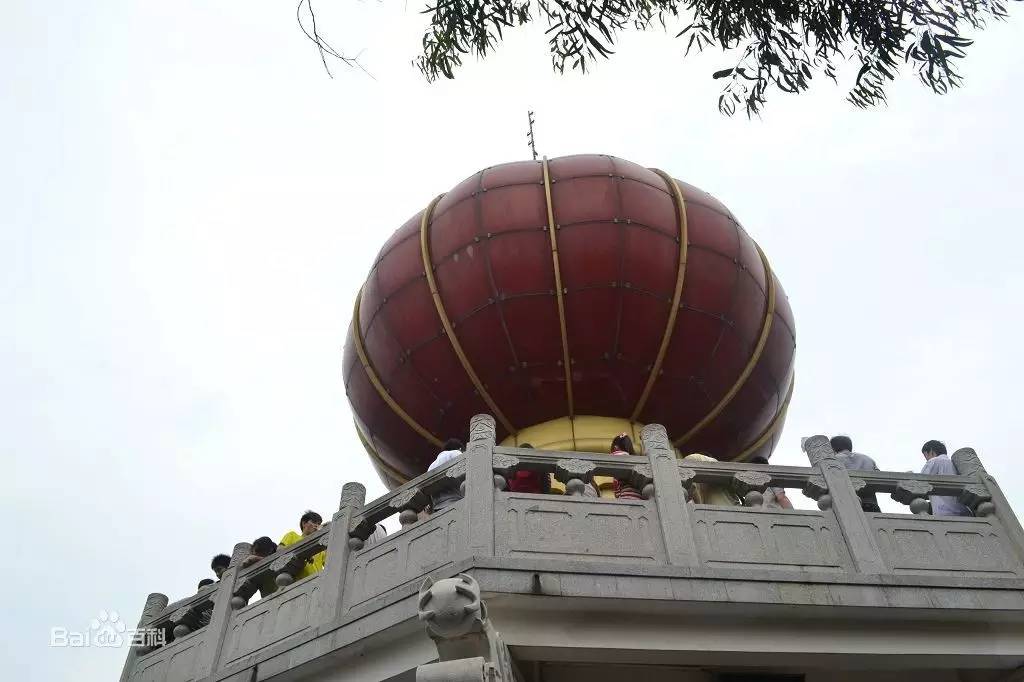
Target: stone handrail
column 674, row 536
column 164, row 615
column 408, row 500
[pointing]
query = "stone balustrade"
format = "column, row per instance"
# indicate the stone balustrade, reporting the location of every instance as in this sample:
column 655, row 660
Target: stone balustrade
column 565, row 545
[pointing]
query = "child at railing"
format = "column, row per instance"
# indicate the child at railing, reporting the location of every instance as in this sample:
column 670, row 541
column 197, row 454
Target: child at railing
column 622, row 444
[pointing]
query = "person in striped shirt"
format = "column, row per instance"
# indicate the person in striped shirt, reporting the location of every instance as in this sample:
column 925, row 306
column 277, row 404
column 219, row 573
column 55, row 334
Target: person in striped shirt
column 622, row 444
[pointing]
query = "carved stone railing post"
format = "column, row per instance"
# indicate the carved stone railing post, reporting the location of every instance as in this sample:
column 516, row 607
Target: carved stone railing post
column 155, row 603
column 215, row 631
column 670, row 498
column 332, row 580
column 846, row 505
column 988, row 501
column 479, row 494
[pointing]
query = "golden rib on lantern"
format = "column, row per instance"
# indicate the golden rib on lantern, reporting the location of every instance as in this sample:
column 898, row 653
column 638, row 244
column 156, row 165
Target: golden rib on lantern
column 377, row 459
column 371, row 373
column 428, row 270
column 677, row 295
column 772, row 427
column 558, row 289
column 754, row 357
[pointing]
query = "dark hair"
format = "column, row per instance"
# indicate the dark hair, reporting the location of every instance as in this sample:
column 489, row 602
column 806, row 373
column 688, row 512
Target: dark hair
column 204, row 582
column 840, row 443
column 220, row 561
column 936, row 446
column 624, row 443
column 453, row 444
column 526, row 445
column 759, row 460
column 264, row 546
column 310, row 515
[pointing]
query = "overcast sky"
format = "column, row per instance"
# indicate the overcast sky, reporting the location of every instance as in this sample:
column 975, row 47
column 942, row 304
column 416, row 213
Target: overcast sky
column 189, row 205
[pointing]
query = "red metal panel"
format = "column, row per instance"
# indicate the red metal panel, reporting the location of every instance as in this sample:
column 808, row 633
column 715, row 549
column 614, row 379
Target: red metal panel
column 618, row 252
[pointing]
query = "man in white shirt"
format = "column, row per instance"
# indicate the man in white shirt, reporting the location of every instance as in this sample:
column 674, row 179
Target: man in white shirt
column 937, row 463
column 843, row 447
column 451, row 449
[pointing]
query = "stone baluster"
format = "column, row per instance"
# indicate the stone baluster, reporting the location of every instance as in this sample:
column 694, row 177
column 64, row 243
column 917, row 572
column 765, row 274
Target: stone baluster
column 215, row 631
column 288, row 564
column 987, row 497
column 576, row 474
column 642, row 478
column 670, row 497
column 750, row 486
column 408, row 504
column 478, row 505
column 184, row 620
column 505, row 467
column 846, row 505
column 688, row 479
column 339, row 547
column 155, row 603
column 915, row 495
column 817, row 489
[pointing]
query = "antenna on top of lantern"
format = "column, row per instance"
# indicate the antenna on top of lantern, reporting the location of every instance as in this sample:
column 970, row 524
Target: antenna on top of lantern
column 529, row 135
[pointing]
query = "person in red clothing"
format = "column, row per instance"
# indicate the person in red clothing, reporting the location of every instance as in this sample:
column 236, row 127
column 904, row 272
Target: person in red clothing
column 622, row 444
column 529, row 481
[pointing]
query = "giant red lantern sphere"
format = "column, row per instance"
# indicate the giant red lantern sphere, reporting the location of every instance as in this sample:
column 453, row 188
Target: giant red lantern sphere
column 646, row 302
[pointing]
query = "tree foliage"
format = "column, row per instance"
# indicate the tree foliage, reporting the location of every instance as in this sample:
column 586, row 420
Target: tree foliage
column 780, row 43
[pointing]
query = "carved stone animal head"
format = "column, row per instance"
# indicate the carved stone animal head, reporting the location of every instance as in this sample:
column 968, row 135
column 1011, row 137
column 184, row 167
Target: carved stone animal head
column 451, row 607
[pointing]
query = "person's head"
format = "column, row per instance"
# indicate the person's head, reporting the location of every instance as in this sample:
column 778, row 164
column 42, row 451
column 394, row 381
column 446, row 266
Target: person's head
column 220, row 564
column 310, row 522
column 933, row 448
column 758, row 460
column 453, row 444
column 263, row 547
column 841, row 443
column 204, row 582
column 622, row 443
column 526, row 445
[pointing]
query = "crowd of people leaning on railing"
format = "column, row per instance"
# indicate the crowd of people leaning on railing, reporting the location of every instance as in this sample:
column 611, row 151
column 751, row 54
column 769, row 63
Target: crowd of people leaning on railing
column 937, row 462
column 263, row 547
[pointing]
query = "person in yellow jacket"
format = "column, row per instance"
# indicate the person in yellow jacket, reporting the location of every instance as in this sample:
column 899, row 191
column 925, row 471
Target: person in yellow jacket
column 308, row 524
